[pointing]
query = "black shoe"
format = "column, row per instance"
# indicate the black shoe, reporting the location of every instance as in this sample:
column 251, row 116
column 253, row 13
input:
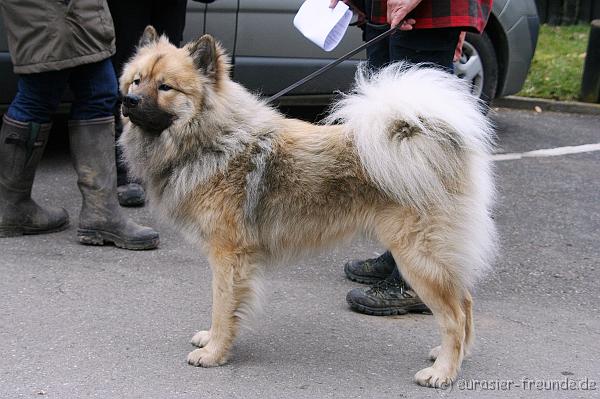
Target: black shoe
column 131, row 194
column 370, row 271
column 386, row 298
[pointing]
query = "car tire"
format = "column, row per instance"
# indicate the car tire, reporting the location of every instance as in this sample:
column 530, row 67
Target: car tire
column 479, row 65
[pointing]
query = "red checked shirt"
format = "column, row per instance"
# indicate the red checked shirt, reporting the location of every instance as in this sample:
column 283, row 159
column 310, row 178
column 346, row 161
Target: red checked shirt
column 440, row 13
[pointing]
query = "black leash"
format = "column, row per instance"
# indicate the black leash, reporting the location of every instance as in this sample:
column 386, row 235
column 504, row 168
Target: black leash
column 330, row 65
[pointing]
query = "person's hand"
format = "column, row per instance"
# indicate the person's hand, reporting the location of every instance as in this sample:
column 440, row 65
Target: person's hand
column 360, row 15
column 397, row 10
column 407, row 24
column 459, row 46
column 333, row 3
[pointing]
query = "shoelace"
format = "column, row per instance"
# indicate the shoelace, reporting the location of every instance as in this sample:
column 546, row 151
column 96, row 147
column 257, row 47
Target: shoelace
column 381, row 288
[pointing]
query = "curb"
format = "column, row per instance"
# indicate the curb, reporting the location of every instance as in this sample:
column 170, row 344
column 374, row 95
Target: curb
column 528, row 103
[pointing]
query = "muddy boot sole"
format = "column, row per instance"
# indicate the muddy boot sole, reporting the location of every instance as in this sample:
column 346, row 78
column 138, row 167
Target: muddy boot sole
column 17, row 231
column 99, row 237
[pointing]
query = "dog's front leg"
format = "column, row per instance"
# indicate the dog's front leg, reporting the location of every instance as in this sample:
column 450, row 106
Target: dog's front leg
column 216, row 343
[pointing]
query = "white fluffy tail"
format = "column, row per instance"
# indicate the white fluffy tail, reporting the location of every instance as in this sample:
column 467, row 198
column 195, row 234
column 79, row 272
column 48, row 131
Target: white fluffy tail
column 415, row 129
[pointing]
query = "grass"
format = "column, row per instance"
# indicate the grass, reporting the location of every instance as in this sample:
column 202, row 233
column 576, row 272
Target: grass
column 557, row 65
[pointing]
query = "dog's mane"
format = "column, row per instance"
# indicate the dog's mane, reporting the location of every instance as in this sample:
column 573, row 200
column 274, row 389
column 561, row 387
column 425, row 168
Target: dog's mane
column 233, row 122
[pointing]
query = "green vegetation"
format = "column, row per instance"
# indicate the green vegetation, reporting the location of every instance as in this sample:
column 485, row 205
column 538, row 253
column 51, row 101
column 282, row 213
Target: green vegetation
column 557, row 66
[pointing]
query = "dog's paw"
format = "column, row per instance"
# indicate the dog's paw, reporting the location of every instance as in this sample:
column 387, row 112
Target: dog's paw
column 435, row 352
column 201, row 338
column 203, row 357
column 433, row 378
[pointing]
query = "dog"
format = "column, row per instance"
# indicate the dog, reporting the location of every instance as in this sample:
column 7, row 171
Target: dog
column 404, row 158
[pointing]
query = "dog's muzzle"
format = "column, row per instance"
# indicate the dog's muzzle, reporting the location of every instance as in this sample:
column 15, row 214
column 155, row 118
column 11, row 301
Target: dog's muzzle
column 131, row 101
column 147, row 115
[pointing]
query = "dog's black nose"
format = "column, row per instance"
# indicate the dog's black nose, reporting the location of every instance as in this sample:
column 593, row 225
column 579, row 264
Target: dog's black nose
column 131, row 101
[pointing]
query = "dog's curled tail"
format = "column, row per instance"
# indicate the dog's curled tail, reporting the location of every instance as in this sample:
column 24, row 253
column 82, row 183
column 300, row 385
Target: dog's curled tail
column 415, row 129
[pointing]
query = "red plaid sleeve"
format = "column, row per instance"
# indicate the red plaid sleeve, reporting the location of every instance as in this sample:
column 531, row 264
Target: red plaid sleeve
column 468, row 14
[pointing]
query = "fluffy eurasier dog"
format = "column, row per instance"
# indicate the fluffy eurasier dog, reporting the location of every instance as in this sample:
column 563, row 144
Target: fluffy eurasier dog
column 407, row 162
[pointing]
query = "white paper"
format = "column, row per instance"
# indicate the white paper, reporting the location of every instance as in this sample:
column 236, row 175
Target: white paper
column 322, row 25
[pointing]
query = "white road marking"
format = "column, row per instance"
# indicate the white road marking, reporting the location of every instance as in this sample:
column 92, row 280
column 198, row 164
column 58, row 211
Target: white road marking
column 548, row 152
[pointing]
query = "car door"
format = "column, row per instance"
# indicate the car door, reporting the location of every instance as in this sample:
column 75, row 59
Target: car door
column 270, row 54
column 194, row 20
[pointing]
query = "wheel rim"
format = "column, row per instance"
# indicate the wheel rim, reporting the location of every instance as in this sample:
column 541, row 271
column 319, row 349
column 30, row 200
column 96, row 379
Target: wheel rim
column 470, row 68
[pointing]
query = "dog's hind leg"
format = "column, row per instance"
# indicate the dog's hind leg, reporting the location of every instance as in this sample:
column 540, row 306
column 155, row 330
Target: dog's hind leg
column 435, row 286
column 468, row 309
column 440, row 259
column 444, row 295
column 230, row 289
column 469, row 331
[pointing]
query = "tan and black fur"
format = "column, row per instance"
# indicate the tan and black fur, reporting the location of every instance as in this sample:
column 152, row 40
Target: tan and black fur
column 404, row 159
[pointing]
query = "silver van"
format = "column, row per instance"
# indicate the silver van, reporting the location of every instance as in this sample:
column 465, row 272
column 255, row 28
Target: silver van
column 270, row 54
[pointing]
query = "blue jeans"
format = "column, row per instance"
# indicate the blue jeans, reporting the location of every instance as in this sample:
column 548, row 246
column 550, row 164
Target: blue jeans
column 94, row 88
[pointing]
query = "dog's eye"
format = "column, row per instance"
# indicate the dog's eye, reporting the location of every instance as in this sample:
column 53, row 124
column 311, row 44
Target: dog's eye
column 136, row 81
column 164, row 87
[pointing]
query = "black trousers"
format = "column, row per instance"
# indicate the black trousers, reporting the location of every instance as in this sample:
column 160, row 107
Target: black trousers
column 130, row 18
column 435, row 46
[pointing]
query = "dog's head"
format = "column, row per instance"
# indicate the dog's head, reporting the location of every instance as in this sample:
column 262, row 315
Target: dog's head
column 163, row 85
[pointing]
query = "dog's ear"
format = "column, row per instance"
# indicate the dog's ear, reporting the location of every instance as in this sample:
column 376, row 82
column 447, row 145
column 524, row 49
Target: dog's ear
column 148, row 37
column 204, row 53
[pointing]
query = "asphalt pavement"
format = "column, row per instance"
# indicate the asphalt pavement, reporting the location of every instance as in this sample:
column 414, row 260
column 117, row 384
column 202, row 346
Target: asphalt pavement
column 102, row 322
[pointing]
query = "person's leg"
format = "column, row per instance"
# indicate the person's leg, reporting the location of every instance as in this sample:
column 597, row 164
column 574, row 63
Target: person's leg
column 378, row 54
column 92, row 137
column 432, row 46
column 168, row 17
column 94, row 87
column 23, row 138
column 391, row 295
column 38, row 96
column 130, row 18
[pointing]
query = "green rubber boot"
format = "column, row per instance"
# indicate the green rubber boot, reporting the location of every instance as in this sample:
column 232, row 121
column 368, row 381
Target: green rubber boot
column 101, row 219
column 21, row 148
